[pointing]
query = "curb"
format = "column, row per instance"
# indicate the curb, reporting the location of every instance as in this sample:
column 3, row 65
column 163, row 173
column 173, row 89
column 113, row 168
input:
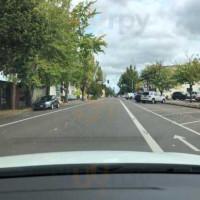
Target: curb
column 184, row 105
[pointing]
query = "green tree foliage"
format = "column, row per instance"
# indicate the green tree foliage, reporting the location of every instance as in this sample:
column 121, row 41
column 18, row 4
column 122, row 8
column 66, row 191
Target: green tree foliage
column 159, row 76
column 47, row 42
column 89, row 44
column 22, row 33
column 109, row 91
column 188, row 73
column 96, row 86
column 129, row 80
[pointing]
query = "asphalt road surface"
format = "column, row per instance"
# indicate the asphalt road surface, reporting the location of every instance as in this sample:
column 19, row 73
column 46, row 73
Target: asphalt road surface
column 108, row 124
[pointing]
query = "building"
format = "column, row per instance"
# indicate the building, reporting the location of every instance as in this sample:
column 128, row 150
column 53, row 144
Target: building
column 23, row 98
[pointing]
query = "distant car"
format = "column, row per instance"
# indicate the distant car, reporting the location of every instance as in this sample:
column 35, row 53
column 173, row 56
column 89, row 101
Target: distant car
column 194, row 95
column 152, row 97
column 46, row 102
column 138, row 97
column 179, row 96
column 70, row 98
column 130, row 95
column 197, row 98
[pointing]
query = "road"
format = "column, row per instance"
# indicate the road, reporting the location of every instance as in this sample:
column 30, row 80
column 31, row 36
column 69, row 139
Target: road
column 107, row 124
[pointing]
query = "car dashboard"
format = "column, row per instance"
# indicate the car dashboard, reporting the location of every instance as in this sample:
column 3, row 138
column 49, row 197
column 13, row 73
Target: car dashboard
column 91, row 182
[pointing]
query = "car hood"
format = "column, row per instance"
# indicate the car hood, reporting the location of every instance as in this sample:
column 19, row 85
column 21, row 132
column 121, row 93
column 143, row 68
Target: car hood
column 98, row 157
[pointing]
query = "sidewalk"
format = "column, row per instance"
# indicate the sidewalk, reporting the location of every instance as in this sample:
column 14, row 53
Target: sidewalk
column 185, row 103
column 18, row 112
column 10, row 113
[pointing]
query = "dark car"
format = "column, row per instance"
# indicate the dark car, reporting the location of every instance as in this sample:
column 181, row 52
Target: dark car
column 179, row 96
column 70, row 98
column 138, row 97
column 46, row 102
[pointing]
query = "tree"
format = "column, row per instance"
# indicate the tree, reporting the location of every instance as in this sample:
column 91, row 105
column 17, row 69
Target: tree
column 159, row 76
column 129, row 80
column 22, row 35
column 96, row 86
column 89, row 44
column 109, row 91
column 189, row 73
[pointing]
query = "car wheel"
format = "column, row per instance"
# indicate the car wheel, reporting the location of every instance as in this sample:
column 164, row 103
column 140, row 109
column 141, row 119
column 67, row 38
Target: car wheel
column 143, row 101
column 163, row 101
column 153, row 101
column 52, row 106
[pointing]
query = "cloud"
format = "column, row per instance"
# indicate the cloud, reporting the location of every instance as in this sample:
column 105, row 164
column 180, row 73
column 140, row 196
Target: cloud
column 140, row 32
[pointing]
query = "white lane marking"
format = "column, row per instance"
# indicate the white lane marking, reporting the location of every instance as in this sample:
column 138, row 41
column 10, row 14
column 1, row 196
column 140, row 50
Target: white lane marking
column 167, row 119
column 150, row 141
column 183, row 139
column 49, row 113
column 190, row 122
column 180, row 113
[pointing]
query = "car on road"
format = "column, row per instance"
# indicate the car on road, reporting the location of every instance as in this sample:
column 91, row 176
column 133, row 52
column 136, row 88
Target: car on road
column 194, row 95
column 46, row 102
column 197, row 98
column 152, row 97
column 70, row 98
column 138, row 97
column 130, row 95
column 179, row 96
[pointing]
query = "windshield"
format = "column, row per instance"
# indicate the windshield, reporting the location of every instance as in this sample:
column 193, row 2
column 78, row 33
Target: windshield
column 45, row 98
column 99, row 76
column 145, row 93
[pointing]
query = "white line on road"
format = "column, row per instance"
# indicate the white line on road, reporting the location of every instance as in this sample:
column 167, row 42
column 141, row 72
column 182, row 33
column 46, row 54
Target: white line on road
column 45, row 114
column 167, row 119
column 150, row 141
column 180, row 113
column 182, row 139
column 190, row 122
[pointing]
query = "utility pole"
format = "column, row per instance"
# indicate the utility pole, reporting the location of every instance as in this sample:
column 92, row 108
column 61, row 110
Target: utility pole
column 132, row 85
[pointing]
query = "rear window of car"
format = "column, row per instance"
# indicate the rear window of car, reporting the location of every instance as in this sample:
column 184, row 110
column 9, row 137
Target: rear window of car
column 145, row 93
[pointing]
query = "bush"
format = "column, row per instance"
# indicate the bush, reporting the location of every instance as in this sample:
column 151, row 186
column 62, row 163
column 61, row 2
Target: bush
column 94, row 97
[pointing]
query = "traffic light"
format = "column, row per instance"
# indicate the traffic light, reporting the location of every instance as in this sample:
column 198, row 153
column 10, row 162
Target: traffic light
column 108, row 81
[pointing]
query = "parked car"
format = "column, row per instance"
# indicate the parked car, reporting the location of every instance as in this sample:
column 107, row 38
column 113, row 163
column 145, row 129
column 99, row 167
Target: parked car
column 194, row 95
column 197, row 96
column 70, row 98
column 152, row 97
column 138, row 97
column 46, row 102
column 130, row 95
column 179, row 95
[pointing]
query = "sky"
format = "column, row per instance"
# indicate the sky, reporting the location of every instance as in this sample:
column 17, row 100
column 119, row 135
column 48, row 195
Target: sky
column 141, row 32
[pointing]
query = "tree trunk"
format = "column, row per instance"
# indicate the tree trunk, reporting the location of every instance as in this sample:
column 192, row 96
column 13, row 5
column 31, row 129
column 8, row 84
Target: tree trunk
column 191, row 93
column 47, row 90
column 31, row 96
column 83, row 91
column 13, row 96
column 66, row 92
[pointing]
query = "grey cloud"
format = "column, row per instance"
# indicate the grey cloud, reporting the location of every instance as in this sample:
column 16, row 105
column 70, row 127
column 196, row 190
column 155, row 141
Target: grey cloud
column 167, row 35
column 188, row 16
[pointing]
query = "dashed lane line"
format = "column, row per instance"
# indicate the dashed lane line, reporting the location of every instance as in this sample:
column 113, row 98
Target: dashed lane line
column 150, row 141
column 182, row 126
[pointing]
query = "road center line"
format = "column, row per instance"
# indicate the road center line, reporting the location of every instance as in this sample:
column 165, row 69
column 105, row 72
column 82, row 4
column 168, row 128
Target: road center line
column 150, row 141
column 45, row 114
column 167, row 119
